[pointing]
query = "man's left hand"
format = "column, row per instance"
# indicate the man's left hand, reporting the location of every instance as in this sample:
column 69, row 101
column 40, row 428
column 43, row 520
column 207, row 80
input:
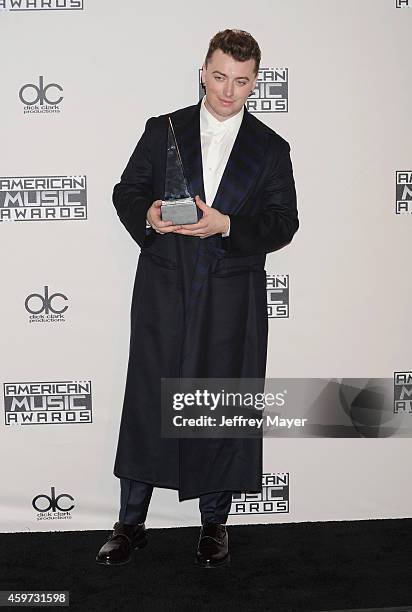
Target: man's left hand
column 212, row 222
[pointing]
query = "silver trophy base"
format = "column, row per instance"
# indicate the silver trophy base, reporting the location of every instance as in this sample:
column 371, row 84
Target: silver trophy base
column 181, row 212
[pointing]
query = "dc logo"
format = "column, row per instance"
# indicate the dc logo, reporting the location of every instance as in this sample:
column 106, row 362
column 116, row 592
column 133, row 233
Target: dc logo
column 52, row 502
column 47, row 303
column 40, row 95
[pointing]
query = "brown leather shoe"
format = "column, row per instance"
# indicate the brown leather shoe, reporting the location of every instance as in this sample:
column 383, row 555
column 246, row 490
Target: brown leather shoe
column 213, row 546
column 119, row 547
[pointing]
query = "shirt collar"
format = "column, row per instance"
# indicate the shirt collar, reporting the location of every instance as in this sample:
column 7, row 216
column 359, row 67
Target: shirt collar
column 209, row 123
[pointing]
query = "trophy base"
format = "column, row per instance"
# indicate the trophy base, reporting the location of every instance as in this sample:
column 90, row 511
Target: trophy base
column 181, row 212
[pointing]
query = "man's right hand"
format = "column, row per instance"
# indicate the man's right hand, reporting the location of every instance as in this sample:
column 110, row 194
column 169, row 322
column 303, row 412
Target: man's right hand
column 155, row 220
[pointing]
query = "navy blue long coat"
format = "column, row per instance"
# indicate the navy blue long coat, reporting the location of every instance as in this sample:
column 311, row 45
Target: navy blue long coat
column 199, row 305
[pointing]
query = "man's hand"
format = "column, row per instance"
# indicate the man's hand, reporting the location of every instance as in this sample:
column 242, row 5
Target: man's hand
column 212, row 222
column 155, row 219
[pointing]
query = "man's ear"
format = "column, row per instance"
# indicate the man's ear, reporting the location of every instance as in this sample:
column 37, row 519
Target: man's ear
column 203, row 74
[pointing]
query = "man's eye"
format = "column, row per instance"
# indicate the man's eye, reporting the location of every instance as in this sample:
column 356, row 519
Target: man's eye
column 218, row 78
column 242, row 83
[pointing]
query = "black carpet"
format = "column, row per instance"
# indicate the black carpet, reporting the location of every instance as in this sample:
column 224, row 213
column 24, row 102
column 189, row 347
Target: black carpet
column 311, row 567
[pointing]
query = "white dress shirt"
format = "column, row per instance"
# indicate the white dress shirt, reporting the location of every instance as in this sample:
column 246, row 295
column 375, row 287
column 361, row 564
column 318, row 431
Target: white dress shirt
column 217, row 139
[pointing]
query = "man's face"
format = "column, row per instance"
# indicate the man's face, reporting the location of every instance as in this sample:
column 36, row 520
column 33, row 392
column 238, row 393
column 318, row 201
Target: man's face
column 228, row 84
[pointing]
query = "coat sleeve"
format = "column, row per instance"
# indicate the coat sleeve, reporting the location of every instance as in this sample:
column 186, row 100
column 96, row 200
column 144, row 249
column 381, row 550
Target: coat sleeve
column 133, row 196
column 273, row 227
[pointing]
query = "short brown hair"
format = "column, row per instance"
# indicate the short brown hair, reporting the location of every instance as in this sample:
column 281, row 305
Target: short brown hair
column 239, row 44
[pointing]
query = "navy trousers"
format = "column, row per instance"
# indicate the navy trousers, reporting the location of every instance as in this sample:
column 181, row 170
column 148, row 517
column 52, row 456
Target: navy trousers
column 135, row 499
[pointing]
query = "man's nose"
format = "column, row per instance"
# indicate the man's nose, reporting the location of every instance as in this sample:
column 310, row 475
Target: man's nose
column 228, row 89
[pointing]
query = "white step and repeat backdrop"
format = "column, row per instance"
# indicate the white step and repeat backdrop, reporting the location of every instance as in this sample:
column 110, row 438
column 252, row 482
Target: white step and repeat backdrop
column 79, row 79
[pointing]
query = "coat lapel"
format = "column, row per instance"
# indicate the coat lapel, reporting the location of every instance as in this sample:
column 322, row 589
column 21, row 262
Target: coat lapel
column 245, row 163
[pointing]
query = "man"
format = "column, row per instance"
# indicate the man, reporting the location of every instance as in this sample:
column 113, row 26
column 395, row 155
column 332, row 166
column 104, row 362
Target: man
column 199, row 302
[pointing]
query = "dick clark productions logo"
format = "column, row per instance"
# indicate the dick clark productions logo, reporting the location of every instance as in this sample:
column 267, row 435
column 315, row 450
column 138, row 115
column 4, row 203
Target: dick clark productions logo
column 41, row 97
column 51, row 507
column 47, row 307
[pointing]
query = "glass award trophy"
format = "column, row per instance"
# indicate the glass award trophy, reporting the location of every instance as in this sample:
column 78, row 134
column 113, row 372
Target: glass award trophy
column 178, row 205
